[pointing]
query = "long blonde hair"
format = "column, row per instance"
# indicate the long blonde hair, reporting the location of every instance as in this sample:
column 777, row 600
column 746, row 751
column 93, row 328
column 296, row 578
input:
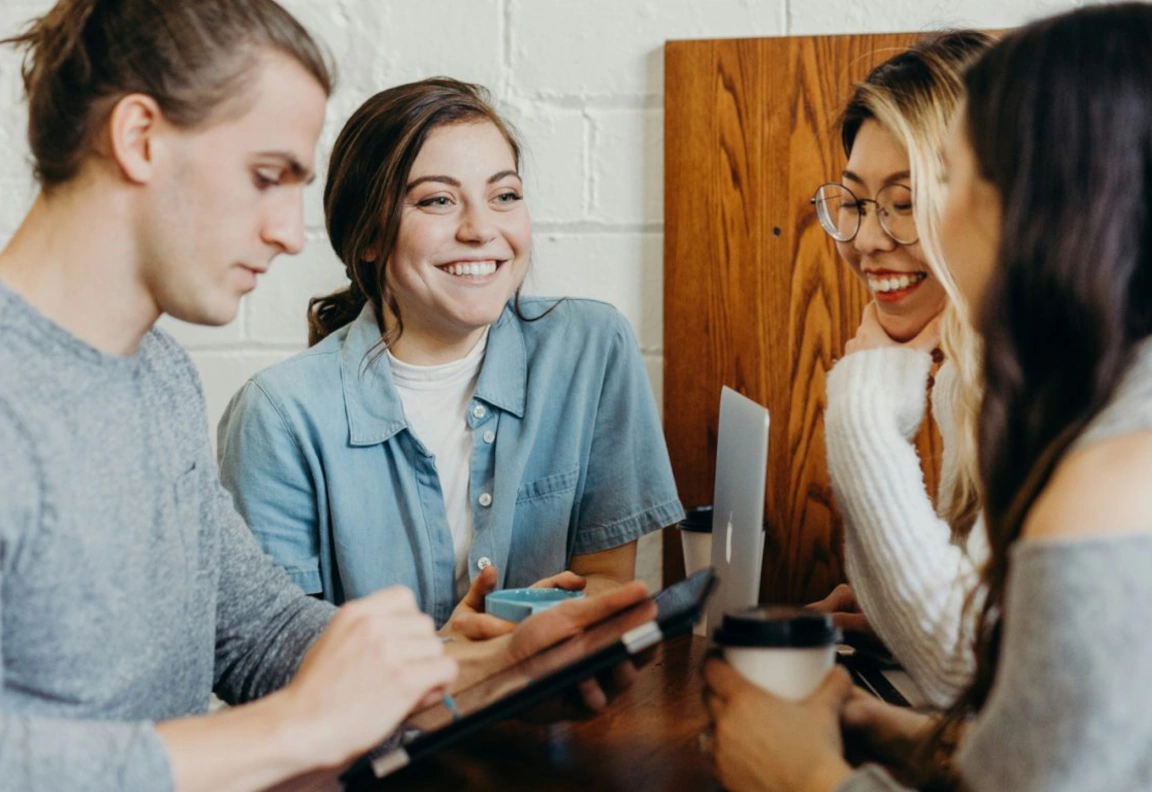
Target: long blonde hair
column 913, row 96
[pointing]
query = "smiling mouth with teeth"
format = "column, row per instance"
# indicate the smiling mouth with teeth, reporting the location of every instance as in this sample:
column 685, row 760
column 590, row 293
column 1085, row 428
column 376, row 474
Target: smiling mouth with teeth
column 471, row 269
column 893, row 282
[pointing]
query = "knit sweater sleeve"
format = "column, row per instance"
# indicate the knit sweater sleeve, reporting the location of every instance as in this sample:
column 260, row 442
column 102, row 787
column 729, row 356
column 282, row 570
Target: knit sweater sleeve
column 265, row 624
column 909, row 577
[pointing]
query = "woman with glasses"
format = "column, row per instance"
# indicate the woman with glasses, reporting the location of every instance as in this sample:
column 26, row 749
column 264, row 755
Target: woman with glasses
column 1046, row 225
column 910, row 564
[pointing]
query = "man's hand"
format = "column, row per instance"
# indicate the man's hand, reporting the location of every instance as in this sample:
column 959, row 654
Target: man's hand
column 378, row 660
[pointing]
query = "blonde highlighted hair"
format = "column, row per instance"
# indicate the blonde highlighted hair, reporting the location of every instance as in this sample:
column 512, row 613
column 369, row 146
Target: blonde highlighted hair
column 913, row 96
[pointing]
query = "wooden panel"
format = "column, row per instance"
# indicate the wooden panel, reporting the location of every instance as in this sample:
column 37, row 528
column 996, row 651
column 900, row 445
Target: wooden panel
column 755, row 296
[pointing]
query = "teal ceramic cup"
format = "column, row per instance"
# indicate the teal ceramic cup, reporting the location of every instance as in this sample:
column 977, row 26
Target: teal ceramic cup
column 516, row 605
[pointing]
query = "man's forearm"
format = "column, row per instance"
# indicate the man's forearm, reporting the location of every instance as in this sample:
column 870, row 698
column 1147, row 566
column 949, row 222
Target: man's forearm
column 245, row 748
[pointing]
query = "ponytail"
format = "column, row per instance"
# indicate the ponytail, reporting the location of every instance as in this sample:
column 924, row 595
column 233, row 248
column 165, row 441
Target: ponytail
column 57, row 68
column 332, row 311
column 191, row 57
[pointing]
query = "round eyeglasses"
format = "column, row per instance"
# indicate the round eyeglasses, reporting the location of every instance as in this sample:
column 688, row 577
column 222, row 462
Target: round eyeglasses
column 841, row 213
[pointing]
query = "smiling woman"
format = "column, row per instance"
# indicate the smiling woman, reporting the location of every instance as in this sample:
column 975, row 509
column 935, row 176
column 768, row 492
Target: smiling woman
column 444, row 433
column 463, row 243
column 910, row 562
column 884, row 251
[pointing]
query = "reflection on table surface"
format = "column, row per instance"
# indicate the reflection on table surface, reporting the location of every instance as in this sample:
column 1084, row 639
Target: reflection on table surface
column 646, row 740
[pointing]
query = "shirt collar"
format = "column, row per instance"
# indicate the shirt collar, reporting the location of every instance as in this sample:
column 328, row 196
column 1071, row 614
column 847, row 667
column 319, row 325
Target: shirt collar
column 371, row 401
column 503, row 379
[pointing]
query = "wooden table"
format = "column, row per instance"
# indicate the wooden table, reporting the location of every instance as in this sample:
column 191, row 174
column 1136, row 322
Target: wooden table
column 647, row 740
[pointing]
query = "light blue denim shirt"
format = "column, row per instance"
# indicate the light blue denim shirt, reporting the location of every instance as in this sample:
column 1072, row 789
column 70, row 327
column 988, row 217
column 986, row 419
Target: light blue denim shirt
column 568, row 458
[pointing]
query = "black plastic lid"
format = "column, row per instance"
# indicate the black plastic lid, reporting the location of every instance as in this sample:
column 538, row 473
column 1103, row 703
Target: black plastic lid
column 698, row 520
column 776, row 626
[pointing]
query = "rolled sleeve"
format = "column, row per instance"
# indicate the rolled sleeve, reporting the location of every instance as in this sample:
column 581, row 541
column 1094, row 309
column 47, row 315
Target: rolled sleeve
column 595, row 538
column 629, row 489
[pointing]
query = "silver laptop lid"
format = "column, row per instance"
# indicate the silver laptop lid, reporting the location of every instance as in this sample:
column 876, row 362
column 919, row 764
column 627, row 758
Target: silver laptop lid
column 738, row 503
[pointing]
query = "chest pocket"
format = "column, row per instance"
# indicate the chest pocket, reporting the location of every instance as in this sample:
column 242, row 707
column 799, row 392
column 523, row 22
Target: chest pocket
column 551, row 487
column 540, row 533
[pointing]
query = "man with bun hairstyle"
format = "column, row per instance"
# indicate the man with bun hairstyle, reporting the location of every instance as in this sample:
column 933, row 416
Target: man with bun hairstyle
column 171, row 142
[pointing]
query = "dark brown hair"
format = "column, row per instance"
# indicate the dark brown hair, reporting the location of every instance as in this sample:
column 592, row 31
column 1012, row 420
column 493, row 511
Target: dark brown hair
column 1059, row 118
column 367, row 182
column 191, row 57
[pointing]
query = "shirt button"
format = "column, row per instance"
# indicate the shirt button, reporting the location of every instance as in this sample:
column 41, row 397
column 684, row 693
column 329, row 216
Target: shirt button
column 489, row 437
column 478, row 411
column 485, row 499
column 484, row 563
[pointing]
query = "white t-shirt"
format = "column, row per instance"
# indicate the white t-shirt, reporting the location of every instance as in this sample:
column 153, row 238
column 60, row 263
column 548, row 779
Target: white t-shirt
column 435, row 400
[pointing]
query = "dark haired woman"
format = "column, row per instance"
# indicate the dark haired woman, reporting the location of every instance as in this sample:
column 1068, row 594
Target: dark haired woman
column 1047, row 228
column 444, row 433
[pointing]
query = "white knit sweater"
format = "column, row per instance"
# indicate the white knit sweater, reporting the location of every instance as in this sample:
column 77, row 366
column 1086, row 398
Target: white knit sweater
column 910, row 579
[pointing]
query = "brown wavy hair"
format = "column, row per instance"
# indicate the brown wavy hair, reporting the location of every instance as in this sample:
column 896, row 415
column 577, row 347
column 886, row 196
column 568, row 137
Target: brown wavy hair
column 367, row 182
column 1059, row 117
column 85, row 55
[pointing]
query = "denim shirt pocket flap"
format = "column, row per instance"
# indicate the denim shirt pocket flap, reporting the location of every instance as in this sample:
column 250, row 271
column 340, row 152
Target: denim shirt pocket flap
column 549, row 486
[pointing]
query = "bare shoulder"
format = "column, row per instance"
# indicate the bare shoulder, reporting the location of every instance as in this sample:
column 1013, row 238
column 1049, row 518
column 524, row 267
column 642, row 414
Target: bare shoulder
column 1102, row 490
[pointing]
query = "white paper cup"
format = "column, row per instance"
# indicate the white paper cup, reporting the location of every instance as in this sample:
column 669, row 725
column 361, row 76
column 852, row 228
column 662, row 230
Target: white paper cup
column 696, row 540
column 697, row 551
column 786, row 651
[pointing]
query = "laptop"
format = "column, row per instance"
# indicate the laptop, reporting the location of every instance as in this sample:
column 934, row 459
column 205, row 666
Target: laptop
column 738, row 504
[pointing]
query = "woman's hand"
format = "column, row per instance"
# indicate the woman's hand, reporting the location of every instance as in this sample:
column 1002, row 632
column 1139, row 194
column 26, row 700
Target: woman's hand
column 888, row 735
column 481, row 659
column 556, row 624
column 470, row 622
column 762, row 742
column 845, row 610
column 871, row 335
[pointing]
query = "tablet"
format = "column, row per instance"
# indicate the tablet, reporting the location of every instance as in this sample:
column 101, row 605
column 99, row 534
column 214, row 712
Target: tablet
column 542, row 676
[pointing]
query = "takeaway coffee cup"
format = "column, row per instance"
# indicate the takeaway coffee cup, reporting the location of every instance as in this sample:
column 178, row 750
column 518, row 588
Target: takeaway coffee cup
column 785, row 650
column 696, row 538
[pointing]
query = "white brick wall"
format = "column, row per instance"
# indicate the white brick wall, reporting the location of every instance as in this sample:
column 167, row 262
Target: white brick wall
column 583, row 82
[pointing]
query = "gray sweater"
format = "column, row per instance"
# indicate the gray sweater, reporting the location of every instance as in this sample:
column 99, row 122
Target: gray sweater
column 1071, row 709
column 129, row 587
